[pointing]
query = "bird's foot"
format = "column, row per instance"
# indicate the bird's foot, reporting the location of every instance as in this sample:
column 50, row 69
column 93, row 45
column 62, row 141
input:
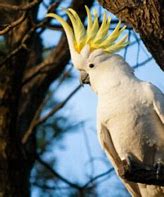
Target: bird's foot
column 125, row 166
column 158, row 166
column 128, row 165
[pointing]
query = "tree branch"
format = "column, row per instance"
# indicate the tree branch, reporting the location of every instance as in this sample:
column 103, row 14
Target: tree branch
column 23, row 42
column 97, row 177
column 59, row 106
column 14, row 24
column 35, row 122
column 142, row 63
column 19, row 7
column 135, row 171
column 46, row 165
column 48, row 187
column 12, row 53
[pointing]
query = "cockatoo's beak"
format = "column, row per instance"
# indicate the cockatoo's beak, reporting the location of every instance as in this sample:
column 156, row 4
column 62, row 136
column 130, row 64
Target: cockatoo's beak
column 84, row 77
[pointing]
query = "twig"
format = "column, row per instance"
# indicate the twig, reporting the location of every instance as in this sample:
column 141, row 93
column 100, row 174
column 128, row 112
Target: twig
column 139, row 40
column 14, row 24
column 126, row 48
column 45, row 5
column 69, row 182
column 63, row 77
column 48, row 187
column 31, row 73
column 138, row 52
column 97, row 177
column 33, row 122
column 15, row 51
column 37, row 122
column 88, row 150
column 55, row 27
column 46, row 165
column 142, row 63
column 59, row 106
column 132, row 43
column 10, row 55
column 22, row 44
column 53, row 6
column 48, row 48
column 19, row 7
column 44, row 186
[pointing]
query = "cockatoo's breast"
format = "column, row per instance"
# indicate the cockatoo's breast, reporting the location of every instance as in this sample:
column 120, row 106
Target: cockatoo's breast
column 129, row 116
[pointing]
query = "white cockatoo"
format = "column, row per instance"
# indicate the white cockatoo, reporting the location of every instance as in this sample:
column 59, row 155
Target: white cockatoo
column 130, row 112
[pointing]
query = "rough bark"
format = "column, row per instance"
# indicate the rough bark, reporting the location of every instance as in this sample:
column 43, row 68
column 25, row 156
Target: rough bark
column 15, row 166
column 147, row 19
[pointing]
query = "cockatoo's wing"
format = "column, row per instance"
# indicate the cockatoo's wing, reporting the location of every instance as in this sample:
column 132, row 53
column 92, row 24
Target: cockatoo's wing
column 108, row 146
column 158, row 101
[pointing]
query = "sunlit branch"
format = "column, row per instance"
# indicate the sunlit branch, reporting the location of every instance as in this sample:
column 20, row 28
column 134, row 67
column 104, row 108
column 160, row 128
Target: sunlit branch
column 53, row 6
column 19, row 7
column 14, row 24
column 54, row 27
column 23, row 43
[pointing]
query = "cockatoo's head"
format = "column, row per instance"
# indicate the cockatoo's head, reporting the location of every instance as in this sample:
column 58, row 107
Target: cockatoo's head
column 92, row 45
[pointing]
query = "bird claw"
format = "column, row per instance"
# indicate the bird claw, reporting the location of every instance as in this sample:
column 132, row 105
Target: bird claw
column 129, row 159
column 158, row 166
column 125, row 165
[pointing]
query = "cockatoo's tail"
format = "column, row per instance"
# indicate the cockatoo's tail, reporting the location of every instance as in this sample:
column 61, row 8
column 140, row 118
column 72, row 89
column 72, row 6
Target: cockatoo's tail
column 94, row 36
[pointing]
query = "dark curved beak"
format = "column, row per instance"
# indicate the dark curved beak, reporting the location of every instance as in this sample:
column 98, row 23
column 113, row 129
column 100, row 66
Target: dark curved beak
column 84, row 77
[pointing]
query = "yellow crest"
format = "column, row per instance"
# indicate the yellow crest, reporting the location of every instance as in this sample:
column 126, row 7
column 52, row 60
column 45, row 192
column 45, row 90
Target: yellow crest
column 96, row 37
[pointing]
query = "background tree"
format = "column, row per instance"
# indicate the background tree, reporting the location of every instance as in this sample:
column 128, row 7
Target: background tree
column 29, row 123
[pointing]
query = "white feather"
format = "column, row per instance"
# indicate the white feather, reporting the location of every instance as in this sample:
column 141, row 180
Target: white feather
column 133, row 113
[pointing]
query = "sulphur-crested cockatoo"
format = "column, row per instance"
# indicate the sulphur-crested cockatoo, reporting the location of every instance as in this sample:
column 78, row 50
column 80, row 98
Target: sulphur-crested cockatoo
column 130, row 112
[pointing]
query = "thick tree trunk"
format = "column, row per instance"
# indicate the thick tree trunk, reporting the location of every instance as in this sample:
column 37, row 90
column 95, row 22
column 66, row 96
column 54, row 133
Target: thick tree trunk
column 15, row 162
column 147, row 18
column 14, row 166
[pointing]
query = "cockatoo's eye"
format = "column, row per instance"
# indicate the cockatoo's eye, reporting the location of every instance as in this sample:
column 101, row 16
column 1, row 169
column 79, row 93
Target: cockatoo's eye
column 91, row 65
